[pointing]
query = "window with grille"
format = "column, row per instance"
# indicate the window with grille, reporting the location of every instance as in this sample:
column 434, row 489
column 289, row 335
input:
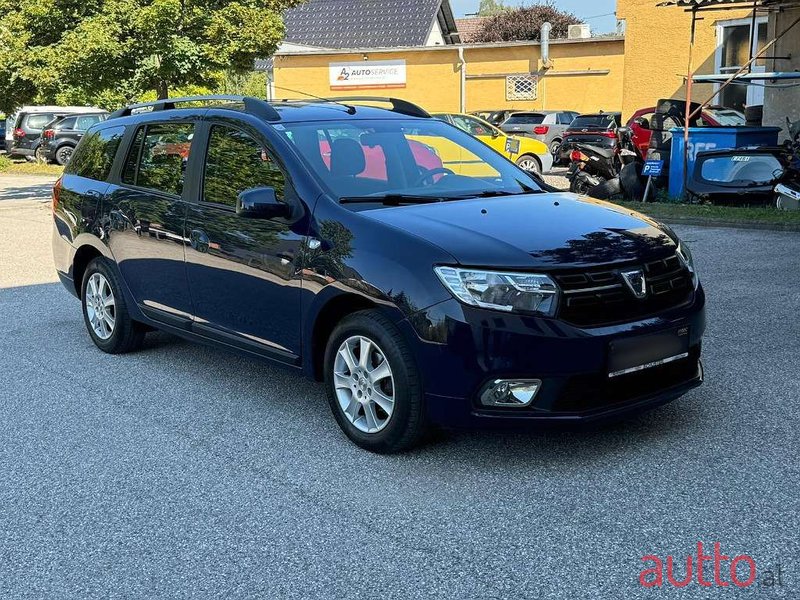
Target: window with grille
column 521, row 87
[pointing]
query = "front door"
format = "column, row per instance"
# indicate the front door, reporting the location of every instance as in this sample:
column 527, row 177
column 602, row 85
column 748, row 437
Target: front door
column 242, row 272
column 146, row 214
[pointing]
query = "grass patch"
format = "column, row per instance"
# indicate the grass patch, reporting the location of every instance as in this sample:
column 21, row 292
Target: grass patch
column 23, row 167
column 667, row 211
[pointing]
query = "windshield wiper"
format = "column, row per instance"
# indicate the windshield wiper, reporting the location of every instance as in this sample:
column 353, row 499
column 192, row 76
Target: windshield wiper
column 391, row 199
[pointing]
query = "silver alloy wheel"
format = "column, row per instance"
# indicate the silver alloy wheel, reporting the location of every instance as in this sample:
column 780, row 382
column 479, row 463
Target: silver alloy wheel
column 528, row 164
column 364, row 384
column 63, row 155
column 101, row 308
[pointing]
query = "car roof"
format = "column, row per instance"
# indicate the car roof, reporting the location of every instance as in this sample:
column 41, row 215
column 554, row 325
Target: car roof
column 273, row 112
column 60, row 109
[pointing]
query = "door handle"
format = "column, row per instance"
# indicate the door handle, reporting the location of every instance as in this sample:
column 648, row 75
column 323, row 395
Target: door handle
column 199, row 240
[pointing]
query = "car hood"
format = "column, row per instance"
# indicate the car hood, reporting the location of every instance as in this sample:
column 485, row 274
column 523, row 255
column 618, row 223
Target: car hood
column 554, row 230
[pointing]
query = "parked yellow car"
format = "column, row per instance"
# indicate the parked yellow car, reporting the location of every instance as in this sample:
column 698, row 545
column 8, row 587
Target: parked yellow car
column 529, row 154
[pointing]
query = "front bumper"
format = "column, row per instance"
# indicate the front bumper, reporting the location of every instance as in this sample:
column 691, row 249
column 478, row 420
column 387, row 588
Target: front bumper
column 460, row 348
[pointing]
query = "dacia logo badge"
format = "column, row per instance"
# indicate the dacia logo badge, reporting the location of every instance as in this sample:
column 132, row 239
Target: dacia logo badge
column 635, row 280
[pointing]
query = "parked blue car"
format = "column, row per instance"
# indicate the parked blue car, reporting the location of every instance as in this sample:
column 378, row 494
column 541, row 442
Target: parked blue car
column 330, row 237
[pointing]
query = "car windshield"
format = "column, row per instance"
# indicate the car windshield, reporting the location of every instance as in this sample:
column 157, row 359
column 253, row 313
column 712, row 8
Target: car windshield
column 741, row 169
column 405, row 160
column 727, row 117
column 525, row 119
column 592, row 121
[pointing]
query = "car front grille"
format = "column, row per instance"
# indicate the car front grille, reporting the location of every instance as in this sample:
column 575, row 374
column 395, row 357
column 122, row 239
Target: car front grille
column 600, row 296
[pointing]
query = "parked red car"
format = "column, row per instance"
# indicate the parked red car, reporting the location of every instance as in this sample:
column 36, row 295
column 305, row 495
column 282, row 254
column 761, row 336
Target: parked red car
column 712, row 116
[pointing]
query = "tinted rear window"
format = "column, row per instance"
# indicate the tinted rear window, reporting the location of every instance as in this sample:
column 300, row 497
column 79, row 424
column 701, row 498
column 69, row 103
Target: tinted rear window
column 525, row 119
column 593, row 121
column 95, row 154
column 38, row 120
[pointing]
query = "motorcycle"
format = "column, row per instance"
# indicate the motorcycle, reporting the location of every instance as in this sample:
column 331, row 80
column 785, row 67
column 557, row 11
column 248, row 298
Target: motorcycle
column 607, row 172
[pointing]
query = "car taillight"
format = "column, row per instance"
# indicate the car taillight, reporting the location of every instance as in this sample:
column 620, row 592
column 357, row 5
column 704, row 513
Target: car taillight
column 48, row 134
column 541, row 129
column 56, row 193
column 19, row 133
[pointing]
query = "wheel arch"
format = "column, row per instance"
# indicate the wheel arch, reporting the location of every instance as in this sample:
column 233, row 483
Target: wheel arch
column 84, row 255
column 325, row 320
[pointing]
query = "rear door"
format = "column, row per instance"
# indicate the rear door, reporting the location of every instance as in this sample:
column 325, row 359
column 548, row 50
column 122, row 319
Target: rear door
column 146, row 210
column 80, row 124
column 243, row 272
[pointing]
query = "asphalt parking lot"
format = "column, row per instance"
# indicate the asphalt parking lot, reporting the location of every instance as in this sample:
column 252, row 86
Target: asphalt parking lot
column 182, row 471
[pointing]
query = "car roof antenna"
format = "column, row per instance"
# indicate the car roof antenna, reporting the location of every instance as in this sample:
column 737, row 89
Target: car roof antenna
column 351, row 110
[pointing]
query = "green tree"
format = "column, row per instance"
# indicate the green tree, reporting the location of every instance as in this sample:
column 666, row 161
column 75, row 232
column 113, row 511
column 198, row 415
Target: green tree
column 525, row 23
column 488, row 8
column 112, row 51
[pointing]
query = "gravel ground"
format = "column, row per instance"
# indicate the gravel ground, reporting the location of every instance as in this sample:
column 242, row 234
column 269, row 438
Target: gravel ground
column 185, row 472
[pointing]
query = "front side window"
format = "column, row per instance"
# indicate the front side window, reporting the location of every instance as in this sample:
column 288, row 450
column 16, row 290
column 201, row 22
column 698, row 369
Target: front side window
column 83, row 123
column 420, row 157
column 235, row 162
column 95, row 154
column 472, row 126
column 158, row 157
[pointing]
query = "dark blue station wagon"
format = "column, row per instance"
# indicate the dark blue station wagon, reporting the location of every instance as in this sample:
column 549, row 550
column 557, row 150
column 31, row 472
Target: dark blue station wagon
column 418, row 273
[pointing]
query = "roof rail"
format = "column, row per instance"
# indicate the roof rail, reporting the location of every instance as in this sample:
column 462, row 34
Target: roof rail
column 400, row 106
column 256, row 106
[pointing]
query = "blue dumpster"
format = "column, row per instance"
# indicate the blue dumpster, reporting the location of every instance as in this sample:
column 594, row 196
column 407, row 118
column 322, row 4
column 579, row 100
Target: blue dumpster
column 712, row 138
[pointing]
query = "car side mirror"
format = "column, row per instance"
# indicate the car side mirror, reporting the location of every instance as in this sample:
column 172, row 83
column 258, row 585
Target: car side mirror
column 261, row 203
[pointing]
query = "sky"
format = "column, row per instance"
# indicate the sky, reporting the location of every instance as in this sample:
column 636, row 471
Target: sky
column 588, row 10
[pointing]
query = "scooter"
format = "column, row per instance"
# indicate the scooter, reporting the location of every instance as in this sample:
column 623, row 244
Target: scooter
column 607, row 172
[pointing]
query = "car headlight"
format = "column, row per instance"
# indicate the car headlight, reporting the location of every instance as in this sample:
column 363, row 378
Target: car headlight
column 510, row 292
column 685, row 255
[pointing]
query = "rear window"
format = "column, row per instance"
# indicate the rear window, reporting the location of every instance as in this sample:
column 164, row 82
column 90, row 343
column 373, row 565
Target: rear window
column 95, row 154
column 727, row 117
column 525, row 119
column 740, row 169
column 65, row 123
column 593, row 121
column 38, row 120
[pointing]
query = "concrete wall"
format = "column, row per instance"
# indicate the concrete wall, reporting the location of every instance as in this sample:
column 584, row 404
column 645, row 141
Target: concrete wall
column 782, row 103
column 586, row 76
column 657, row 51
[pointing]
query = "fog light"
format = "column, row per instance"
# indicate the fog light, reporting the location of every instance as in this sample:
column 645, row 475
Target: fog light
column 510, row 393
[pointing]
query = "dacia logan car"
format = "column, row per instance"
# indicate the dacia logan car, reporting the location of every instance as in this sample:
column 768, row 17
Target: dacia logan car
column 331, row 238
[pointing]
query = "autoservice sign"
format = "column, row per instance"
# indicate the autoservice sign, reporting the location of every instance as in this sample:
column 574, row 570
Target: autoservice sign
column 368, row 74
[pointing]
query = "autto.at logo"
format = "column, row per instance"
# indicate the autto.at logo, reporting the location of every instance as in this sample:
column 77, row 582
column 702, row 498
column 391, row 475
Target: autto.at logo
column 706, row 570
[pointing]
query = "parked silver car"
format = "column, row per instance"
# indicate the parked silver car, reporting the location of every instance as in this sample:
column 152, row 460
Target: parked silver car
column 547, row 126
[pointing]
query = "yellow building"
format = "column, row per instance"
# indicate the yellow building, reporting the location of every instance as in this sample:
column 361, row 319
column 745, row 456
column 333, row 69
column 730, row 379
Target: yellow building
column 584, row 75
column 434, row 69
column 657, row 51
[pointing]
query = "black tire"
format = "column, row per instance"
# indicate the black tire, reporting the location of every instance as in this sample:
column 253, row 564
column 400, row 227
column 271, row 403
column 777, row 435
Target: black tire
column 63, row 154
column 531, row 162
column 555, row 148
column 630, row 177
column 126, row 334
column 580, row 184
column 607, row 189
column 406, row 424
